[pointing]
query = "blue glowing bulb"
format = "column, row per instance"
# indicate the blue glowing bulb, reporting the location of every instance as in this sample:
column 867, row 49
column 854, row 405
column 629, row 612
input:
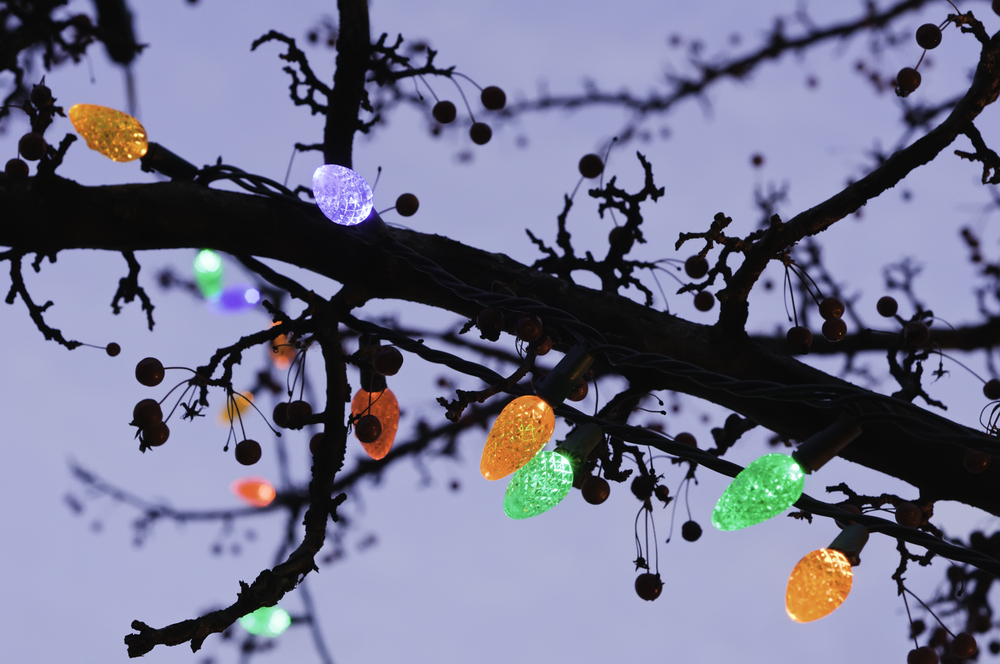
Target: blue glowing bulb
column 343, row 195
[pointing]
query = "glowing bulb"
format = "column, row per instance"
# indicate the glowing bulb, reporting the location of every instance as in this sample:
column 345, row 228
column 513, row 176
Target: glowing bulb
column 114, row 134
column 234, row 300
column 267, row 621
column 523, row 428
column 255, row 490
column 243, row 402
column 342, row 195
column 383, row 406
column 282, row 352
column 765, row 488
column 208, row 273
column 818, row 585
column 539, row 486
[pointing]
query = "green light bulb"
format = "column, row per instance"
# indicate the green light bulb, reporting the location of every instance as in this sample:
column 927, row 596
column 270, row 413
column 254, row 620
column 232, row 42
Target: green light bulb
column 208, row 273
column 539, row 486
column 765, row 488
column 267, row 621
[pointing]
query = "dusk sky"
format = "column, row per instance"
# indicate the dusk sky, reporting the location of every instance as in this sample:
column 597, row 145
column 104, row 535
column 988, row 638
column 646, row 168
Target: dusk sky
column 433, row 574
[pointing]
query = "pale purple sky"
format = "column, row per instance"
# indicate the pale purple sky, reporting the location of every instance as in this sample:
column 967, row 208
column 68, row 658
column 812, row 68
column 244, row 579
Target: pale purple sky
column 452, row 579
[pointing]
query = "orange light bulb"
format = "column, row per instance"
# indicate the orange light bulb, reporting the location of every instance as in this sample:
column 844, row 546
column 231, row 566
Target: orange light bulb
column 116, row 135
column 242, row 401
column 384, row 406
column 255, row 490
column 523, row 428
column 818, row 585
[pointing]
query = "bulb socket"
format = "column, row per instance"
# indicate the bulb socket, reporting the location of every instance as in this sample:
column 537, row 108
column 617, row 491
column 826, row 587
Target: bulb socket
column 826, row 444
column 850, row 541
column 563, row 378
column 579, row 444
column 162, row 160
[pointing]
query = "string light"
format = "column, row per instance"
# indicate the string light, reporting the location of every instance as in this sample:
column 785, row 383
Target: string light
column 342, row 195
column 256, row 491
column 234, row 300
column 242, row 403
column 822, row 580
column 208, row 273
column 385, row 407
column 526, row 423
column 772, row 483
column 269, row 621
column 545, row 480
column 114, row 134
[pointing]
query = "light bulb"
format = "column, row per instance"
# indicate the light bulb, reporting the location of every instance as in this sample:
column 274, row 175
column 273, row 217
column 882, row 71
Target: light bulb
column 267, row 621
column 342, row 195
column 538, row 486
column 523, row 428
column 243, row 402
column 114, row 134
column 208, row 273
column 765, row 488
column 818, row 585
column 234, row 300
column 383, row 406
column 255, row 490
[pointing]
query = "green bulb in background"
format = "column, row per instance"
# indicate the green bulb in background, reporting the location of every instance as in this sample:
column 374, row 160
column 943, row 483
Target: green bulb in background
column 765, row 488
column 208, row 273
column 267, row 621
column 539, row 486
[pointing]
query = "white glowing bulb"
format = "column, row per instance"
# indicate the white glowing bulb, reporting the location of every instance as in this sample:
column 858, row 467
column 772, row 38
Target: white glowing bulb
column 342, row 195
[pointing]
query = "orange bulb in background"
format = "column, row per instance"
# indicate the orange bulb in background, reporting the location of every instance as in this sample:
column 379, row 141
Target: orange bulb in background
column 818, row 585
column 254, row 490
column 523, row 428
column 282, row 353
column 384, row 406
column 243, row 402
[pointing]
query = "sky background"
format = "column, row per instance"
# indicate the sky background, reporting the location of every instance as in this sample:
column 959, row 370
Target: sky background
column 450, row 577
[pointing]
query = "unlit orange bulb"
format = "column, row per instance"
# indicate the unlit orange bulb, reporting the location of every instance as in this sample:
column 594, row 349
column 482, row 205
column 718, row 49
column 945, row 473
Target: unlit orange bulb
column 254, row 490
column 818, row 585
column 116, row 135
column 385, row 407
column 523, row 428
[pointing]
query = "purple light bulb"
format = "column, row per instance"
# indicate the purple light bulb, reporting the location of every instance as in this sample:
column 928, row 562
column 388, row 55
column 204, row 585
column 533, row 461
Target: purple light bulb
column 343, row 195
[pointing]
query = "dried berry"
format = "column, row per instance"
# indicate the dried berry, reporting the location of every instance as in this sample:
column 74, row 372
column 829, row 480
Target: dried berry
column 16, row 169
column 298, row 412
column 493, row 98
column 704, row 301
column 909, row 515
column 922, row 655
column 406, row 205
column 146, row 413
column 696, row 266
column 490, row 322
column 544, row 346
column 648, row 586
column 642, row 486
column 444, row 112
column 964, row 645
column 248, row 452
column 280, row 415
column 799, row 339
column 529, row 328
column 149, row 372
column 691, row 531
column 113, row 349
column 368, row 429
column 387, row 360
column 976, row 461
column 916, row 333
column 907, row 80
column 834, row 329
column 686, row 438
column 579, row 392
column 155, row 435
column 992, row 389
column 595, row 490
column 32, row 146
column 887, row 306
column 40, row 95
column 831, row 307
column 928, row 36
column 591, row 166
column 480, row 133
column 315, row 442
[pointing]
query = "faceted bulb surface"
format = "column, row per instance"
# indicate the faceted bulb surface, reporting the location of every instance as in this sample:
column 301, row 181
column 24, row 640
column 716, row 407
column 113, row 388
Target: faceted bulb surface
column 818, row 585
column 539, row 486
column 342, row 195
column 523, row 428
column 385, row 407
column 114, row 134
column 765, row 488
